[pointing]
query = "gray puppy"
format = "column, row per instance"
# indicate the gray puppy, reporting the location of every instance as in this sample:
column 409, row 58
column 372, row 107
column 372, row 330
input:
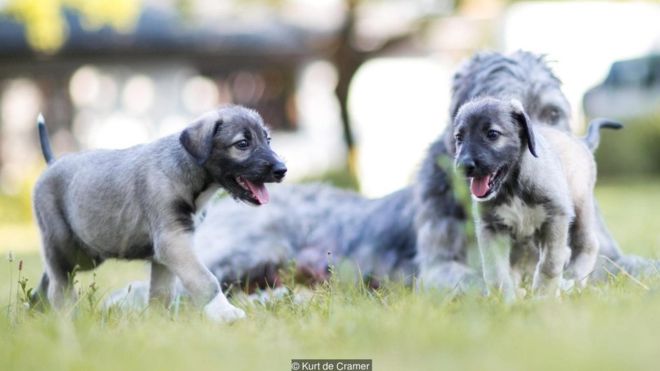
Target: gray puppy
column 138, row 203
column 533, row 189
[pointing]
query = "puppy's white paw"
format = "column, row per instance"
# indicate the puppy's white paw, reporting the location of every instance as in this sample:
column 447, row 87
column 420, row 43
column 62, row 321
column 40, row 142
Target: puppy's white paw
column 228, row 315
column 220, row 310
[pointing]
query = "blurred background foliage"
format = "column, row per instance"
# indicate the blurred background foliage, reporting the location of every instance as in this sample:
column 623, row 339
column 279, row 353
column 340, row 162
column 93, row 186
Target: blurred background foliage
column 46, row 27
column 633, row 151
column 16, row 208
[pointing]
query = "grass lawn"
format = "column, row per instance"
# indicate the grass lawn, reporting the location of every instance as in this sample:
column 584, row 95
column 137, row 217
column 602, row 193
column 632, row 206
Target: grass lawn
column 609, row 327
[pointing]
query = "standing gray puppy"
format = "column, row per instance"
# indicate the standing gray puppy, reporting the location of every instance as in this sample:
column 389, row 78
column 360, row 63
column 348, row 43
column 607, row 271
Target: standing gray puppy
column 533, row 192
column 138, row 203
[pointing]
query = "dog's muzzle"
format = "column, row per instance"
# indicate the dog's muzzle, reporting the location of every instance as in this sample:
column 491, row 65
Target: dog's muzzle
column 483, row 183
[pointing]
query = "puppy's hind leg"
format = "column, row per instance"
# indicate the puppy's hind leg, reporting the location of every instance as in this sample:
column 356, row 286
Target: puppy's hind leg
column 58, row 246
column 174, row 251
column 59, row 270
column 56, row 282
column 584, row 244
column 39, row 298
column 553, row 257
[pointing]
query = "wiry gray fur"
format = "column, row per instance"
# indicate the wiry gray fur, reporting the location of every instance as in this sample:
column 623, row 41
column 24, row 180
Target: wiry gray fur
column 137, row 203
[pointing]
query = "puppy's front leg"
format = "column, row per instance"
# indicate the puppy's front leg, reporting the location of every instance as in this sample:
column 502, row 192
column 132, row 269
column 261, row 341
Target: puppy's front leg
column 524, row 258
column 495, row 249
column 553, row 257
column 174, row 251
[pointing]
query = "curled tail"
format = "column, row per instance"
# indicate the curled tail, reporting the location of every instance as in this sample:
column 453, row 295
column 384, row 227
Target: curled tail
column 592, row 139
column 43, row 139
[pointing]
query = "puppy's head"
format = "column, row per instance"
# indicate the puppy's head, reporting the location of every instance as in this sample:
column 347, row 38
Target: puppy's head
column 233, row 145
column 489, row 138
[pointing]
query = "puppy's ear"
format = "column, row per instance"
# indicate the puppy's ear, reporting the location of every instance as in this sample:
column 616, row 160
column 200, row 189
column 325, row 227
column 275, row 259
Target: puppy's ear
column 522, row 119
column 197, row 139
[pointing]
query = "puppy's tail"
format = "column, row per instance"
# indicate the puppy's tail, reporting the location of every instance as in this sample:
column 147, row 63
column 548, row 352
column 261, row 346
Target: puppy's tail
column 43, row 139
column 592, row 139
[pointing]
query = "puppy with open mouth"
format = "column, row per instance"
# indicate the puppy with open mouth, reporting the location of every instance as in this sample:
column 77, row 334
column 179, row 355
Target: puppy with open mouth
column 532, row 187
column 138, row 203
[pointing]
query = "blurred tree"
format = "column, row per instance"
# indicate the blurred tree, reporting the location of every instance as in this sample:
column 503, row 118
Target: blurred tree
column 348, row 56
column 45, row 24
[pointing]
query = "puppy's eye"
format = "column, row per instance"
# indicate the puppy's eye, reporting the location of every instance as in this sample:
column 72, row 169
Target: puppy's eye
column 493, row 134
column 242, row 144
column 459, row 138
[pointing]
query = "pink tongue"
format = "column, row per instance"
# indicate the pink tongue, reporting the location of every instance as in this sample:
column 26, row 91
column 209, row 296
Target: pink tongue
column 259, row 191
column 479, row 186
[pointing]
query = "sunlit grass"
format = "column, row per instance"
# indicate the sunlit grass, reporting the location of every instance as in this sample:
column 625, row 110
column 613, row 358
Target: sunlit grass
column 613, row 326
column 632, row 211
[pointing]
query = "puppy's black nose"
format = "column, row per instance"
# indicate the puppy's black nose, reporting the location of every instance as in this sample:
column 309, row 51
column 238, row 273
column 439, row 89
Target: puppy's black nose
column 279, row 170
column 468, row 166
